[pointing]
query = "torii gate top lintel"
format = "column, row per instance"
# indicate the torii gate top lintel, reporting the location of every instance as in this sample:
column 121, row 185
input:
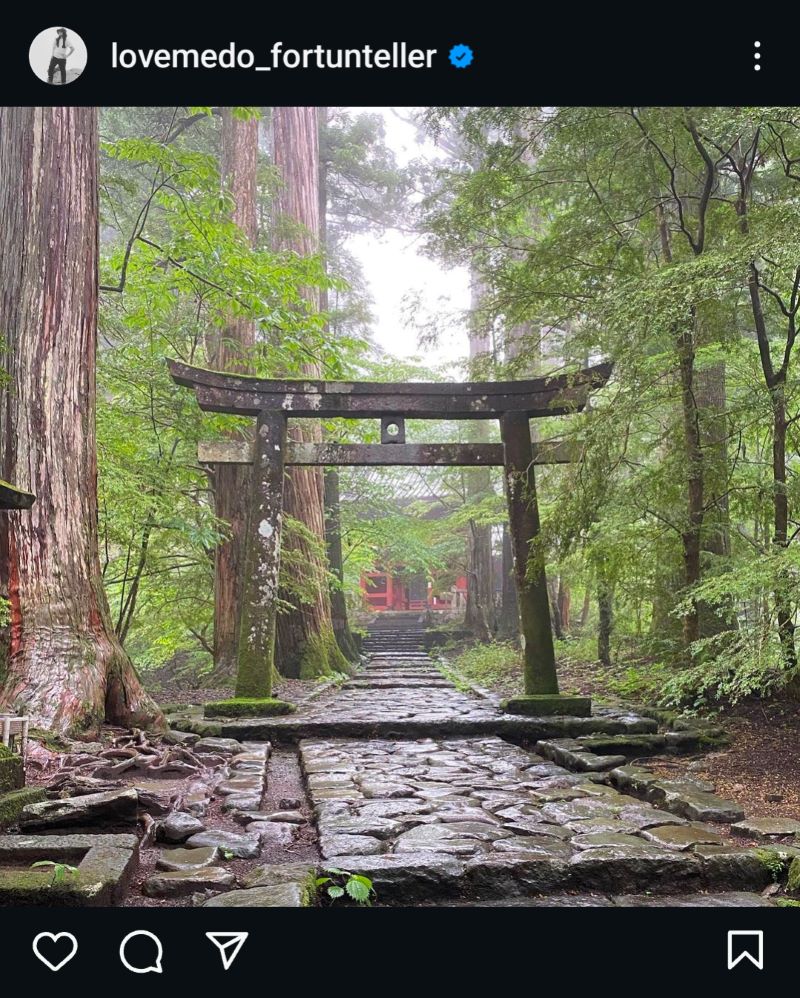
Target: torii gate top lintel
column 243, row 395
column 274, row 402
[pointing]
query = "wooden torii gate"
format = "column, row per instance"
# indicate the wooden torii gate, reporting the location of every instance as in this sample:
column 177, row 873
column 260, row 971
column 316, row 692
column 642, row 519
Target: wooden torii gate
column 512, row 403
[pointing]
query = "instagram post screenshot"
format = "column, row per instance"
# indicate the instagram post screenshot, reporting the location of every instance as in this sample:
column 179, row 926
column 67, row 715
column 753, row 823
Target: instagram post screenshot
column 399, row 500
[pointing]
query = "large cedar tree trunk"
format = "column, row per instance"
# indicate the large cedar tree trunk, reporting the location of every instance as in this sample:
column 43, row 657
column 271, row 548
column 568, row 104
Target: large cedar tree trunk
column 67, row 669
column 306, row 643
column 333, row 518
column 230, row 351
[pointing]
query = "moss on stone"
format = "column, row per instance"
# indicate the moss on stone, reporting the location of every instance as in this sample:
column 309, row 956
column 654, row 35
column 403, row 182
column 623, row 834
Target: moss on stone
column 248, row 707
column 793, row 882
column 548, row 705
column 11, row 804
column 12, row 772
column 774, row 863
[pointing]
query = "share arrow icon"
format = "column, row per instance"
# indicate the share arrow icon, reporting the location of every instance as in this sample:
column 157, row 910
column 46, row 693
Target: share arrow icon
column 228, row 944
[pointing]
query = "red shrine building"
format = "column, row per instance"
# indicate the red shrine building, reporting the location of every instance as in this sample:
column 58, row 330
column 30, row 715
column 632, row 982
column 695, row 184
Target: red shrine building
column 398, row 590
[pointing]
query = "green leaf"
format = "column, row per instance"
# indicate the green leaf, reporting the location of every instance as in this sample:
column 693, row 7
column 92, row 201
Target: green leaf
column 358, row 890
column 335, row 892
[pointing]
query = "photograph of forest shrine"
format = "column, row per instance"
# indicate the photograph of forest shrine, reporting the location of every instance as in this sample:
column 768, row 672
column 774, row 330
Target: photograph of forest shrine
column 399, row 506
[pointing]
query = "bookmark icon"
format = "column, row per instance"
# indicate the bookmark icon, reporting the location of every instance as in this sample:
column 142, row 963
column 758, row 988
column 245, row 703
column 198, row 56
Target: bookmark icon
column 228, row 944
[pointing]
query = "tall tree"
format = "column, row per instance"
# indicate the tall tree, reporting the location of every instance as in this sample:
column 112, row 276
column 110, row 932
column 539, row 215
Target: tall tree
column 231, row 350
column 306, row 642
column 67, row 669
column 332, row 490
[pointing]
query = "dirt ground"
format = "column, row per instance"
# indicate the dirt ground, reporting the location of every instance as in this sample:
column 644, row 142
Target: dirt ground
column 760, row 768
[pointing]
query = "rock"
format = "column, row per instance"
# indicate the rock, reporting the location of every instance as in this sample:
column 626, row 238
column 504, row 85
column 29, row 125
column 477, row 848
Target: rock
column 604, row 840
column 560, row 813
column 379, row 828
column 634, row 778
column 641, row 816
column 766, row 828
column 180, row 883
column 626, row 869
column 401, row 809
column 187, row 859
column 155, row 804
column 14, row 803
column 250, row 759
column 385, row 791
column 409, row 879
column 731, row 899
column 436, row 838
column 291, row 817
column 702, row 806
column 273, row 874
column 249, row 785
column 290, row 803
column 187, row 738
column 178, row 827
column 530, row 826
column 291, row 895
column 196, row 802
column 113, row 807
column 241, row 846
column 526, row 845
column 680, row 837
column 272, row 834
column 739, row 869
column 242, row 802
column 350, row 845
column 225, row 746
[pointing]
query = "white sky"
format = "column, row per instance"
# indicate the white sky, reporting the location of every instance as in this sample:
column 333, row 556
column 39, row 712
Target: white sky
column 396, row 270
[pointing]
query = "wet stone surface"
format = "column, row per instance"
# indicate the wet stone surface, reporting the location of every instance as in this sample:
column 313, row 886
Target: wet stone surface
column 485, row 801
column 405, row 695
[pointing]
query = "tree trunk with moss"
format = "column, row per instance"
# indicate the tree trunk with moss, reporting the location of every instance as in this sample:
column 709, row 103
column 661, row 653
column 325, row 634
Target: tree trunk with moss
column 66, row 669
column 306, row 642
column 230, row 350
column 333, row 519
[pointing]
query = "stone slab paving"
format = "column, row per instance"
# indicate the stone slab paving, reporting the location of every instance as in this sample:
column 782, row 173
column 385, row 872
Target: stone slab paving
column 438, row 817
column 414, row 786
column 394, row 699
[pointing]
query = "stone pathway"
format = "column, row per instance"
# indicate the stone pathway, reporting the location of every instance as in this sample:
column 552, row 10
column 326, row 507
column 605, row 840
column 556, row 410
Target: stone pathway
column 445, row 817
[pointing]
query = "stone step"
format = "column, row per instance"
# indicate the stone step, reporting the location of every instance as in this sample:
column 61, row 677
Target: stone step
column 294, row 727
column 655, row 875
column 570, row 753
column 726, row 899
column 692, row 799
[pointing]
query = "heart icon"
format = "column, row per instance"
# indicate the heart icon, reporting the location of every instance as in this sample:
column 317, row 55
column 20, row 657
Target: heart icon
column 54, row 938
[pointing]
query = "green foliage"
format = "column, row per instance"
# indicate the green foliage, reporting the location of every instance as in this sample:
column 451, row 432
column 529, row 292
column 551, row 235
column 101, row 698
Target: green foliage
column 487, row 664
column 340, row 884
column 773, row 862
column 61, row 871
column 598, row 236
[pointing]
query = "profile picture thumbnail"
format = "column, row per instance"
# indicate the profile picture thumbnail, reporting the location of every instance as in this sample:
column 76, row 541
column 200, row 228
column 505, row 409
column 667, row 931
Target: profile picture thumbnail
column 58, row 55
